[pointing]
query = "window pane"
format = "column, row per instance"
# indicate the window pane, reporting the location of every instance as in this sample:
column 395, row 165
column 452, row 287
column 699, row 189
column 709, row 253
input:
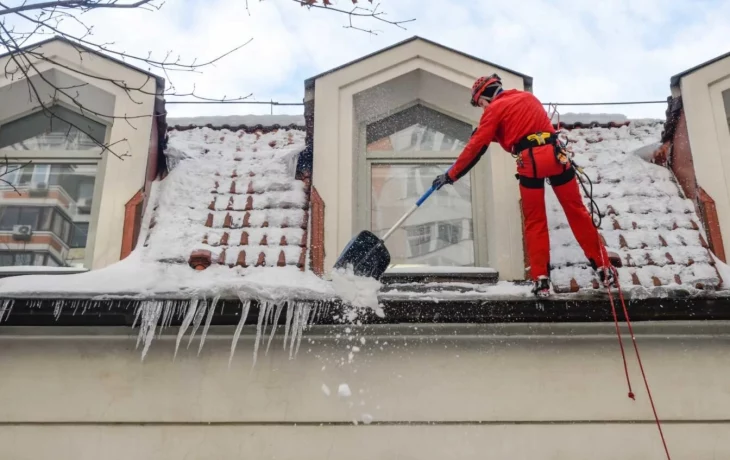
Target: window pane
column 9, row 217
column 417, row 129
column 79, row 234
column 64, row 130
column 432, row 235
column 29, row 216
column 23, row 258
column 9, row 175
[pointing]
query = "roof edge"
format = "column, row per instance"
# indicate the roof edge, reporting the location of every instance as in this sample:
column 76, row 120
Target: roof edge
column 160, row 80
column 309, row 82
column 675, row 79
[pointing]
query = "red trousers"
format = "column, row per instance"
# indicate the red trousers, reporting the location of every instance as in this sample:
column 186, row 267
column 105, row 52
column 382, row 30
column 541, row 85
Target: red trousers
column 533, row 169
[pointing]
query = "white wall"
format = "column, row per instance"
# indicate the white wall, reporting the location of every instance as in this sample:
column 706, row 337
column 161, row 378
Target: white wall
column 118, row 179
column 709, row 135
column 335, row 133
column 471, row 392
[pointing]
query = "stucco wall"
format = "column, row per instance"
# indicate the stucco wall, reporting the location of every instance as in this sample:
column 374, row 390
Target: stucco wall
column 335, row 134
column 520, row 391
column 118, row 179
column 709, row 134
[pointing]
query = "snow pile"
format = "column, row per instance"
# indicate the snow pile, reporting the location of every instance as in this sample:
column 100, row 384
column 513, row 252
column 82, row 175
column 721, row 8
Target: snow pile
column 359, row 293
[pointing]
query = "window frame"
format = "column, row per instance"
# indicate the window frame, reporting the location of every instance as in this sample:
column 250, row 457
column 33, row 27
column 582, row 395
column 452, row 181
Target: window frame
column 362, row 180
column 93, row 153
column 77, row 157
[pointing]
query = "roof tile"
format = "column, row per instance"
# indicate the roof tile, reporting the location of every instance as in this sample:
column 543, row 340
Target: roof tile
column 647, row 222
column 257, row 213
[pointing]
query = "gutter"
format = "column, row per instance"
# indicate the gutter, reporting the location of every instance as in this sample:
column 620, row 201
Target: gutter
column 55, row 311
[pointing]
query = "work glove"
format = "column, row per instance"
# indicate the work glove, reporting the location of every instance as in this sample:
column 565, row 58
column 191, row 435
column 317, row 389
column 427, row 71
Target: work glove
column 442, row 180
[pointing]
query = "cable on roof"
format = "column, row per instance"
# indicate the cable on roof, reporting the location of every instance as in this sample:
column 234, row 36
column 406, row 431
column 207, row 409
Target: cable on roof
column 302, row 103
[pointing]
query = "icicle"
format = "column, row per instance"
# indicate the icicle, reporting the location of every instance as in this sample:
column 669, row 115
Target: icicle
column 57, row 308
column 315, row 314
column 302, row 324
column 274, row 326
column 266, row 312
column 263, row 311
column 239, row 328
column 207, row 324
column 137, row 312
column 289, row 311
column 167, row 307
column 192, row 308
column 296, row 326
column 7, row 305
column 150, row 316
column 199, row 314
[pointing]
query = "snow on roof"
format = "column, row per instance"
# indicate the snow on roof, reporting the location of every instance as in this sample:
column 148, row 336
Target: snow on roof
column 231, row 200
column 647, row 221
column 237, row 120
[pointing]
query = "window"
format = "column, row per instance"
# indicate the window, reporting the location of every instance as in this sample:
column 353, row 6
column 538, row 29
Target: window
column 436, row 229
column 67, row 130
column 417, row 129
column 49, row 187
column 25, row 258
column 403, row 153
column 79, row 233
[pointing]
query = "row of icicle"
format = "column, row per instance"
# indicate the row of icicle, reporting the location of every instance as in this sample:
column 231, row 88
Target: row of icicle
column 148, row 313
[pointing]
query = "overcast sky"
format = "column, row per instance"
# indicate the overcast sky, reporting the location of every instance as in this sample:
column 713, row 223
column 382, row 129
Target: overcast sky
column 576, row 50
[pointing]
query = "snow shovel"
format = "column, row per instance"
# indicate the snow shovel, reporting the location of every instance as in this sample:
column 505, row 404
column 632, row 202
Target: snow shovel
column 367, row 253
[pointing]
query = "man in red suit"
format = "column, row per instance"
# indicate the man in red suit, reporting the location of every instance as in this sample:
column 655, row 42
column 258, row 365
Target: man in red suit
column 517, row 120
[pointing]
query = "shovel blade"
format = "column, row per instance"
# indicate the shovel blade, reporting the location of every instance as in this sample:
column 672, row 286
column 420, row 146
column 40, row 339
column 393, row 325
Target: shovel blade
column 367, row 254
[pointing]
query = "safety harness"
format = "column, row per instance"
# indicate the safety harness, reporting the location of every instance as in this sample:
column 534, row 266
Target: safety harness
column 540, row 139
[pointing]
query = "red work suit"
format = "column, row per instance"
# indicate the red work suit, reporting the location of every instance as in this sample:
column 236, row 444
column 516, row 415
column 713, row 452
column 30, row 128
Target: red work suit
column 511, row 116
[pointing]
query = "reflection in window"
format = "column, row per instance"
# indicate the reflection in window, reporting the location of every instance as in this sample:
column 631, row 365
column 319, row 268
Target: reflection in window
column 434, row 235
column 51, row 214
column 64, row 130
column 74, row 181
column 417, row 129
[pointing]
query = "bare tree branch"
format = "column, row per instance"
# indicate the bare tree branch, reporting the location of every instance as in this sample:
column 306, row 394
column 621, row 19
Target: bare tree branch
column 356, row 12
column 74, row 4
column 5, row 171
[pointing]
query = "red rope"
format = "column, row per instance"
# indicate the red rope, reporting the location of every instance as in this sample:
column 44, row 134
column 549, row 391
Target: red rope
column 636, row 346
column 638, row 358
column 620, row 342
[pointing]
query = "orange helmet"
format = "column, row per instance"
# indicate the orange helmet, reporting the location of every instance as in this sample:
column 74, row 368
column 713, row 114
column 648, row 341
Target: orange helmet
column 481, row 85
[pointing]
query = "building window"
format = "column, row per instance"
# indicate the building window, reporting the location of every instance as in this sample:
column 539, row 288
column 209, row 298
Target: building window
column 46, row 207
column 67, row 130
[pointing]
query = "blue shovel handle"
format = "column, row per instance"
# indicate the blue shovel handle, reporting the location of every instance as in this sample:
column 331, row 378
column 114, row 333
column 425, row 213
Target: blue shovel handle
column 405, row 216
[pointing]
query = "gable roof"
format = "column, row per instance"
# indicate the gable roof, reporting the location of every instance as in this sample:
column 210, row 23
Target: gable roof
column 61, row 38
column 674, row 80
column 309, row 82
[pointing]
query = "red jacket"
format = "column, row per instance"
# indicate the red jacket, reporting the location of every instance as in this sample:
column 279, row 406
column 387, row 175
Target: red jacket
column 512, row 115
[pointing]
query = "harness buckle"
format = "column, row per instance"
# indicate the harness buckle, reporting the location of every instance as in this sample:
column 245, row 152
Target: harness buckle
column 540, row 138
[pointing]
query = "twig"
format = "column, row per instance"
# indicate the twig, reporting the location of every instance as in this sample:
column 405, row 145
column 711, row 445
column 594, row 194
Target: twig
column 7, row 171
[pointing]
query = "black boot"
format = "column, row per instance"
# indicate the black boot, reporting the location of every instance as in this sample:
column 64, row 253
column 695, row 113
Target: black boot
column 541, row 287
column 606, row 276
